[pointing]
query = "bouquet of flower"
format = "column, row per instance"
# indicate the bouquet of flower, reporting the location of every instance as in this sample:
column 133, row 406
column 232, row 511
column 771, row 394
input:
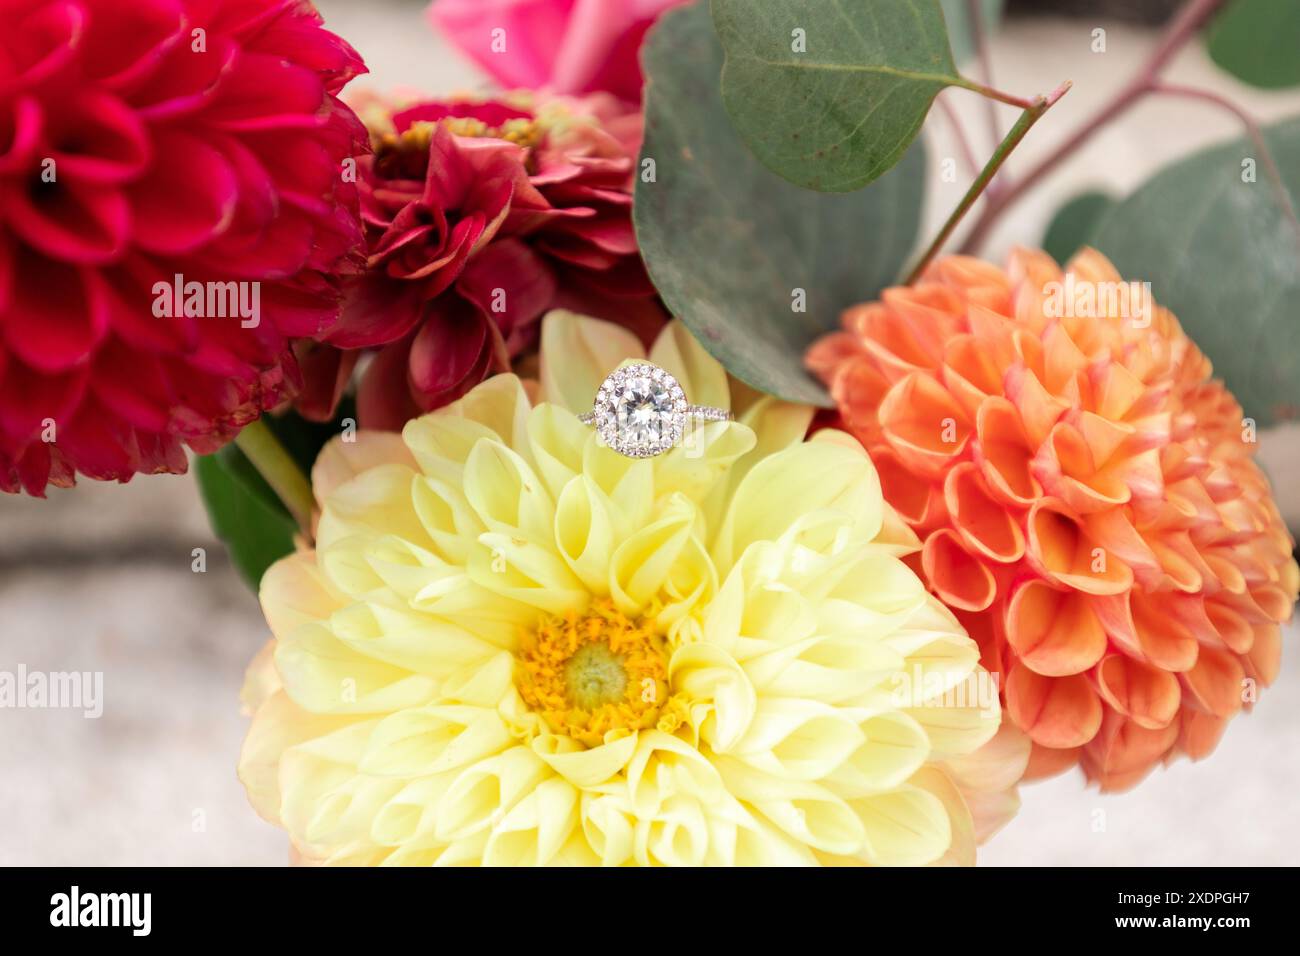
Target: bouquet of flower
column 625, row 474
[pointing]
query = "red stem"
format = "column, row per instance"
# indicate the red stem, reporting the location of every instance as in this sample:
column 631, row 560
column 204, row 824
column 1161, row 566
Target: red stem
column 959, row 133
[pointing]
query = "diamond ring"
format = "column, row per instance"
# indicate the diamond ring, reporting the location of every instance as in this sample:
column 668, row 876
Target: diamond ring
column 641, row 411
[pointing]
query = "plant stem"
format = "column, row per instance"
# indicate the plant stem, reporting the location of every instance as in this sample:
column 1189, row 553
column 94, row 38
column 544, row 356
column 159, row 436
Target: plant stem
column 1028, row 118
column 263, row 449
column 1181, row 29
column 983, row 89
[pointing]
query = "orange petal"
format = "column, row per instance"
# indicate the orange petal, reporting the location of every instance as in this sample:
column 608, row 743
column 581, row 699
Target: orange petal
column 1116, row 391
column 1054, row 632
column 1200, row 733
column 1178, row 559
column 902, row 338
column 958, row 577
column 1004, row 453
column 1125, row 542
column 923, row 423
column 1065, row 467
column 984, row 525
column 1055, row 711
column 1163, row 637
column 1124, row 752
column 1061, row 549
column 1236, row 634
column 1214, row 684
column 1273, row 601
column 909, row 497
column 830, row 352
column 858, row 389
column 1039, row 410
column 1062, row 359
column 1103, row 436
column 971, row 370
column 1049, row 761
column 1265, row 658
column 1146, row 695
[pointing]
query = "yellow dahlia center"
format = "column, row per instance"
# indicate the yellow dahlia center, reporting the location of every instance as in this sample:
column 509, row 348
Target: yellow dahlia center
column 416, row 138
column 588, row 674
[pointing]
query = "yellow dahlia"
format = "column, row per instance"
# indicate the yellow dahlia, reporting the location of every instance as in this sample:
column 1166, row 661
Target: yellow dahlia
column 513, row 645
column 1088, row 498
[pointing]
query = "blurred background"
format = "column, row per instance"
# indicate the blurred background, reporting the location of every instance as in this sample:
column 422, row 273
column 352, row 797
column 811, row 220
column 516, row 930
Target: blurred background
column 99, row 578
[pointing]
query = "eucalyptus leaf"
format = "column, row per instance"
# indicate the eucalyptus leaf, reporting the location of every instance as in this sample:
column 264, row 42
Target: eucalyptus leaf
column 1258, row 41
column 1210, row 235
column 755, row 267
column 1074, row 223
column 830, row 93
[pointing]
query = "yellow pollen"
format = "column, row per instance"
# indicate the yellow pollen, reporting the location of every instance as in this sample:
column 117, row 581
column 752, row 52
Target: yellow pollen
column 416, row 138
column 588, row 674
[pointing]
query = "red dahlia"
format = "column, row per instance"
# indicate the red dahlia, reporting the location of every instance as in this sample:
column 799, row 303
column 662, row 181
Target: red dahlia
column 145, row 148
column 481, row 215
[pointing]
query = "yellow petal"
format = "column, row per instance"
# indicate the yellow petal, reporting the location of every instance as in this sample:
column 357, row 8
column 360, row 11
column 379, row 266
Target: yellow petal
column 720, row 697
column 324, row 675
column 798, row 739
column 294, row 591
column 904, row 827
column 585, row 532
column 277, row 725
column 797, row 482
column 506, row 493
column 375, row 503
column 432, row 740
column 586, row 766
column 578, row 353
column 483, row 793
column 345, row 456
column 700, row 375
column 534, row 830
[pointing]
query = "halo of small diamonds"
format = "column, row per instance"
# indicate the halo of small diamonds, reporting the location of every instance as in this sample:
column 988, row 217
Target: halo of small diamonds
column 640, row 410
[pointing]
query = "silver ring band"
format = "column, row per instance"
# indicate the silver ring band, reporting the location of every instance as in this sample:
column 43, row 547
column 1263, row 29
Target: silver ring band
column 704, row 413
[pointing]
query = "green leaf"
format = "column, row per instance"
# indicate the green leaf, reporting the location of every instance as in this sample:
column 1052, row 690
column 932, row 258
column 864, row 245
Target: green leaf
column 956, row 13
column 844, row 110
column 1221, row 253
column 729, row 244
column 1258, row 41
column 1074, row 223
column 244, row 512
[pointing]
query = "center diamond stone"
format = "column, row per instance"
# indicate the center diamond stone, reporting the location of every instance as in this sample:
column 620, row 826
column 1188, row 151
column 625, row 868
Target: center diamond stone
column 644, row 410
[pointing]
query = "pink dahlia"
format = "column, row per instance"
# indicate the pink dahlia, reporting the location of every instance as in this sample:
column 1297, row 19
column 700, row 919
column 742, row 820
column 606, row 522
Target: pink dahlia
column 480, row 216
column 148, row 150
column 565, row 46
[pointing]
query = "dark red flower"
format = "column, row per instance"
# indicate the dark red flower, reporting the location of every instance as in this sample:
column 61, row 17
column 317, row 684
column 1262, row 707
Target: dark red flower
column 480, row 216
column 141, row 142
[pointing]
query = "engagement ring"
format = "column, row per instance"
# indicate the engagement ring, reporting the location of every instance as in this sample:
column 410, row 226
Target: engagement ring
column 641, row 411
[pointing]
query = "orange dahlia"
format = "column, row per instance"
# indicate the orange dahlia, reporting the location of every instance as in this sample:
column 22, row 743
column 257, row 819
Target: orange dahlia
column 1087, row 496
